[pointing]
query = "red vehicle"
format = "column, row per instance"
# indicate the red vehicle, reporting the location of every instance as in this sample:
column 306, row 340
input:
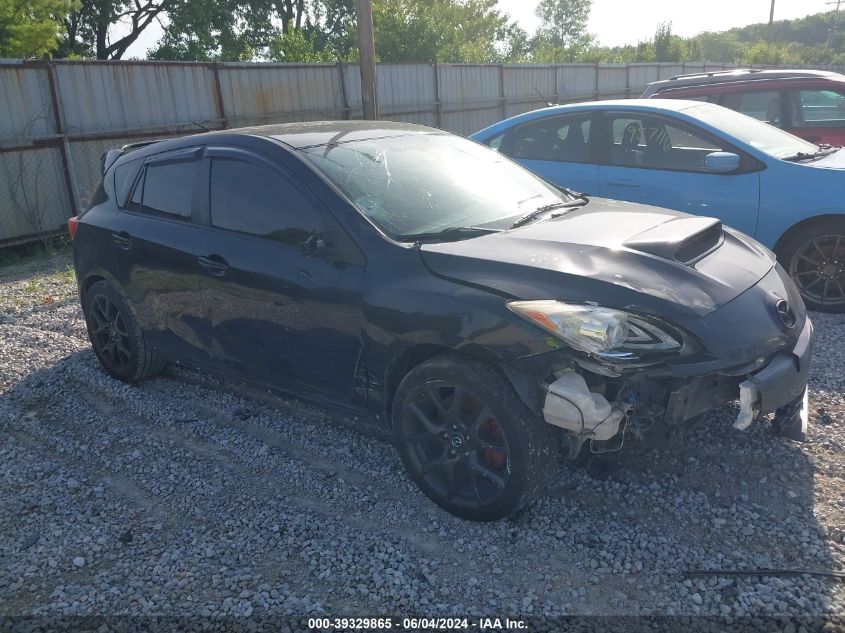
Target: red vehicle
column 807, row 103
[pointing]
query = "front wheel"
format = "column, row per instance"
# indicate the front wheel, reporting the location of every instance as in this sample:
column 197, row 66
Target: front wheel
column 815, row 259
column 468, row 441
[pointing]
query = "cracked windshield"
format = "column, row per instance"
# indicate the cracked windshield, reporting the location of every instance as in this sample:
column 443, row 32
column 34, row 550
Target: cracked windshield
column 410, row 185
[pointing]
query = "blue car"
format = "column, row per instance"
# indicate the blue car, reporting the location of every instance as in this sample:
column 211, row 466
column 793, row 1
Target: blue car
column 703, row 159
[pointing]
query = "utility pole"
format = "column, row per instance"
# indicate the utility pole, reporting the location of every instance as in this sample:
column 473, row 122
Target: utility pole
column 367, row 59
column 771, row 19
column 833, row 23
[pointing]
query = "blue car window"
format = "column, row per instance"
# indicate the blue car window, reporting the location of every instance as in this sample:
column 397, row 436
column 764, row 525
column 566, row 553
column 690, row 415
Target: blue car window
column 564, row 139
column 654, row 143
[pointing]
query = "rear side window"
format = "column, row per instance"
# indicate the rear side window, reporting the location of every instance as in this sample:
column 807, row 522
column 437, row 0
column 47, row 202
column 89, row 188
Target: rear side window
column 763, row 105
column 563, row 139
column 124, row 178
column 169, row 187
column 252, row 198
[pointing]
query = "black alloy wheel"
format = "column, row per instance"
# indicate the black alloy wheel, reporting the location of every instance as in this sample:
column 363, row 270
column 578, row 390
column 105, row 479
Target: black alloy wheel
column 468, row 441
column 456, row 444
column 116, row 336
column 109, row 335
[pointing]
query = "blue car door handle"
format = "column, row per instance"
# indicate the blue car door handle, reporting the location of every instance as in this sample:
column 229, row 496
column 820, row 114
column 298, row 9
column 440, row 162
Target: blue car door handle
column 622, row 182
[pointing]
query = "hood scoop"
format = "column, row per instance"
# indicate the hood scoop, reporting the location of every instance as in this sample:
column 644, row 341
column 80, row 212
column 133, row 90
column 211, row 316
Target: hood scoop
column 684, row 240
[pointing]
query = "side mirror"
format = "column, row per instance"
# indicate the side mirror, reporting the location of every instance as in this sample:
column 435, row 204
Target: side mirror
column 721, row 162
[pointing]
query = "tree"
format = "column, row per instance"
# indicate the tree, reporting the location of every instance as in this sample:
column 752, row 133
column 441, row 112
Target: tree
column 562, row 35
column 668, row 47
column 442, row 30
column 228, row 30
column 30, row 28
column 564, row 22
column 89, row 28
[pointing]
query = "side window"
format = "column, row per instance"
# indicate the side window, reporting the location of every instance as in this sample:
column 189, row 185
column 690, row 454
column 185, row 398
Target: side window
column 818, row 108
column 254, row 199
column 165, row 189
column 763, row 105
column 653, row 143
column 495, row 142
column 124, row 178
column 563, row 139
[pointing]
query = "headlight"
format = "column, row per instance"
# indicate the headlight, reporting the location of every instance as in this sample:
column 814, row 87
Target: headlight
column 594, row 329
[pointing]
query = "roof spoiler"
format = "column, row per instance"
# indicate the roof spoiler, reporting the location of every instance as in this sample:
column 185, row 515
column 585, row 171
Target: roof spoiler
column 114, row 153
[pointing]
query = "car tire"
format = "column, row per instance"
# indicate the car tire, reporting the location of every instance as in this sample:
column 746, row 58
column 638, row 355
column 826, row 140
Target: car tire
column 815, row 259
column 114, row 333
column 468, row 441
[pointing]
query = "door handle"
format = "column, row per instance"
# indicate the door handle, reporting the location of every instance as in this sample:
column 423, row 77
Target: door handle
column 123, row 240
column 622, row 182
column 215, row 264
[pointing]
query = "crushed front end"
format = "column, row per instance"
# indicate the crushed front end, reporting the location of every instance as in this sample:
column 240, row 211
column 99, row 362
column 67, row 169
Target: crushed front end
column 755, row 349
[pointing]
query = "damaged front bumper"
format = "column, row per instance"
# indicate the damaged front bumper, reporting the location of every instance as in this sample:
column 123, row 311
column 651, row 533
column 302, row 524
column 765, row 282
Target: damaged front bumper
column 780, row 387
column 597, row 412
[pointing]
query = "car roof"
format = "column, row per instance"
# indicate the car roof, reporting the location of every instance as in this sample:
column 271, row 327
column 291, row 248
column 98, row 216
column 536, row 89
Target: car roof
column 739, row 75
column 295, row 135
column 643, row 105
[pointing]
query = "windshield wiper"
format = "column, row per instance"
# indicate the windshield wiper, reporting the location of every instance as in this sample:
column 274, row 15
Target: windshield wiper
column 540, row 211
column 824, row 150
column 445, row 235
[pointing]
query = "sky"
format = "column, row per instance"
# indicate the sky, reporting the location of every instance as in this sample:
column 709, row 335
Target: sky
column 618, row 22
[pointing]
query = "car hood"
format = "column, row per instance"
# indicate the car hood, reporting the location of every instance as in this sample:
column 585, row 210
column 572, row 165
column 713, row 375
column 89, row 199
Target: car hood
column 614, row 253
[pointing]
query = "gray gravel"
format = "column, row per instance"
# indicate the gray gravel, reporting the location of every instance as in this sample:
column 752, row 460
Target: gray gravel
column 187, row 496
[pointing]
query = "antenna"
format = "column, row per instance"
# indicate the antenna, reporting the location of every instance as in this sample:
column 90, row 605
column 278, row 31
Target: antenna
column 546, row 101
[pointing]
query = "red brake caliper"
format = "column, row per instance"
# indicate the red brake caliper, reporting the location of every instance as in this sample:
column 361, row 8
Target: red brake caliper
column 493, row 457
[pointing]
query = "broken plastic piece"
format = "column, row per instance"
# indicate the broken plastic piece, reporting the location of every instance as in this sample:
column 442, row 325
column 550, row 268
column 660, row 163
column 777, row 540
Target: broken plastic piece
column 749, row 398
column 572, row 406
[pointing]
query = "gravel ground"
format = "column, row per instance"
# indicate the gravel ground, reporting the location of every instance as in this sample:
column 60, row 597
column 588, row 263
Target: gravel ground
column 185, row 496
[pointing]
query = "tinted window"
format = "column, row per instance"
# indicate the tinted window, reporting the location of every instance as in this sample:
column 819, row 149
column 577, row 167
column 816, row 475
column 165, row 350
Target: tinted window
column 762, row 105
column 561, row 139
column 168, row 188
column 819, row 108
column 124, row 178
column 654, row 143
column 255, row 199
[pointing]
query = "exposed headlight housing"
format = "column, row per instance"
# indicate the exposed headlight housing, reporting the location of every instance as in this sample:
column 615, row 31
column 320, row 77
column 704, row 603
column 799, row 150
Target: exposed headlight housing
column 597, row 330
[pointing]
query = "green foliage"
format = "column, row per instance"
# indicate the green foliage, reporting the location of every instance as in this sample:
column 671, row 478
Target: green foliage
column 30, row 28
column 298, row 46
column 442, row 30
column 405, row 31
column 562, row 36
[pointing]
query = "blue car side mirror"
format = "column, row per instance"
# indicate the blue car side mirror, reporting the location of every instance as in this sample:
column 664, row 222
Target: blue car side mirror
column 721, row 162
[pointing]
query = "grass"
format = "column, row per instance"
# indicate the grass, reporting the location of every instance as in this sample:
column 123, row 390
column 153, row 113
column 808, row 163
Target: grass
column 36, row 276
column 33, row 252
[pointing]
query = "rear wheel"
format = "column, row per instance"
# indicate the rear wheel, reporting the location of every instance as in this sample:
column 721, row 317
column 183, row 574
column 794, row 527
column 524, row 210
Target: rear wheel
column 467, row 440
column 115, row 336
column 815, row 259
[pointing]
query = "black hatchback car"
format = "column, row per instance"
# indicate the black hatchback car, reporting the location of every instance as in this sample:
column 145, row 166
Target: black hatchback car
column 483, row 314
